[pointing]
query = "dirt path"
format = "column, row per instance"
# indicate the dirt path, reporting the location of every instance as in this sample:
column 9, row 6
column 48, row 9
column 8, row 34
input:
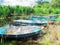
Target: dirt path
column 52, row 36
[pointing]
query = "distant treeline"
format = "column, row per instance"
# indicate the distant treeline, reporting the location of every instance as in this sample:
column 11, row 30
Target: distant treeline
column 19, row 10
column 45, row 7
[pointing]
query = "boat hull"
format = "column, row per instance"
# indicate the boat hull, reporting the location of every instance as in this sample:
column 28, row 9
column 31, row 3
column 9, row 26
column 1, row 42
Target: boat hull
column 20, row 36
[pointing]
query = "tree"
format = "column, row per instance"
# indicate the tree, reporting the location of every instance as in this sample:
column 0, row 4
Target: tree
column 55, row 3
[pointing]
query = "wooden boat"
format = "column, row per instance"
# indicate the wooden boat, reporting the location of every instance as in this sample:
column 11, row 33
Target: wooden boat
column 29, row 22
column 20, row 31
column 44, row 20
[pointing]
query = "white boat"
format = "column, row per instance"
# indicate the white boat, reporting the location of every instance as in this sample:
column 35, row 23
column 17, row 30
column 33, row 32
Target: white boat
column 29, row 22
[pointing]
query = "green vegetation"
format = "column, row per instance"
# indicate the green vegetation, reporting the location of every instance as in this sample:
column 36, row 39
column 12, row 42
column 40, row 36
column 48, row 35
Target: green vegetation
column 45, row 7
column 19, row 10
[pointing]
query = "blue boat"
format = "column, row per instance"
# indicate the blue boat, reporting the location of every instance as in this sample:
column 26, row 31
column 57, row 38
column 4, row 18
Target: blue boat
column 53, row 18
column 19, row 31
column 44, row 20
column 39, row 17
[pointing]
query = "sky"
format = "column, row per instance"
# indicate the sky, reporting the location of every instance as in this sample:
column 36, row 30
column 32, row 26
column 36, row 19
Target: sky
column 19, row 2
